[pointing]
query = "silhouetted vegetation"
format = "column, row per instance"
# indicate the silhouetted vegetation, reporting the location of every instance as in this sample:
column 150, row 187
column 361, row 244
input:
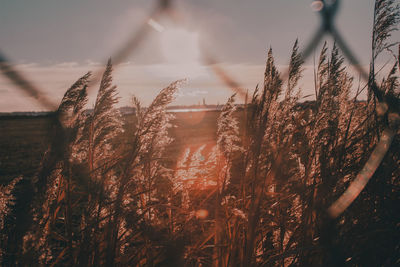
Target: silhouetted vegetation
column 115, row 190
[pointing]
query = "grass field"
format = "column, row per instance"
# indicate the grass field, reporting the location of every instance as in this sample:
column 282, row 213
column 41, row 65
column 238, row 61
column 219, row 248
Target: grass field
column 23, row 140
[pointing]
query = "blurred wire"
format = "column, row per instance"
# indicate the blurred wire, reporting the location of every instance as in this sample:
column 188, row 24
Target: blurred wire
column 163, row 7
column 362, row 178
column 223, row 75
column 24, row 84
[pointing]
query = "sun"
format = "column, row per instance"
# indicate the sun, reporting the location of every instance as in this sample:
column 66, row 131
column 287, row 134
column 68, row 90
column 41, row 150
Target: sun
column 180, row 46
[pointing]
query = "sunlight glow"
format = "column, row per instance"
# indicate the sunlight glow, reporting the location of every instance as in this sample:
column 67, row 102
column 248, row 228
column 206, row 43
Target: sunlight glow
column 180, row 46
column 317, row 5
column 181, row 51
column 155, row 25
column 201, row 214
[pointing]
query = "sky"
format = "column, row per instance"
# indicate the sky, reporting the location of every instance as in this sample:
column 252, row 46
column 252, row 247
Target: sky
column 54, row 42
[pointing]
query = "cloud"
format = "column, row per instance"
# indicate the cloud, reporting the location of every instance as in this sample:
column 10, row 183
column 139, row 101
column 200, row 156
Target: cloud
column 143, row 81
column 192, row 93
column 66, row 65
column 27, row 65
column 92, row 63
column 197, row 93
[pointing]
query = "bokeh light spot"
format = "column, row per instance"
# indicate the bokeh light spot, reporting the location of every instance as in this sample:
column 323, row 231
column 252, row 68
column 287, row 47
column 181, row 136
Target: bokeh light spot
column 317, row 6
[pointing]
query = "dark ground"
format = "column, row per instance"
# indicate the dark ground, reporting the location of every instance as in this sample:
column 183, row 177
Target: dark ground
column 24, row 139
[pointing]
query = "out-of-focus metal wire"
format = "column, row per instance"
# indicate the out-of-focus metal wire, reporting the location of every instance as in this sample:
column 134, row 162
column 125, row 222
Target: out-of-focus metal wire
column 328, row 13
column 163, row 7
column 223, row 75
column 364, row 175
column 24, row 84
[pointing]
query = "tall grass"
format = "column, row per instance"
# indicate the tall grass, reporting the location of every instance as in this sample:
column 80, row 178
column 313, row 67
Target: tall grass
column 105, row 197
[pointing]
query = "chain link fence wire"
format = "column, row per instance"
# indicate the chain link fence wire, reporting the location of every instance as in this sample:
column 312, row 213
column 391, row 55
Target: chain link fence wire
column 327, row 9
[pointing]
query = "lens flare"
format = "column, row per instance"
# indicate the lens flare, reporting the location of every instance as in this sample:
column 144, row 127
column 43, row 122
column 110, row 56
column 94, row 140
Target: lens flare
column 317, row 6
column 201, row 214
